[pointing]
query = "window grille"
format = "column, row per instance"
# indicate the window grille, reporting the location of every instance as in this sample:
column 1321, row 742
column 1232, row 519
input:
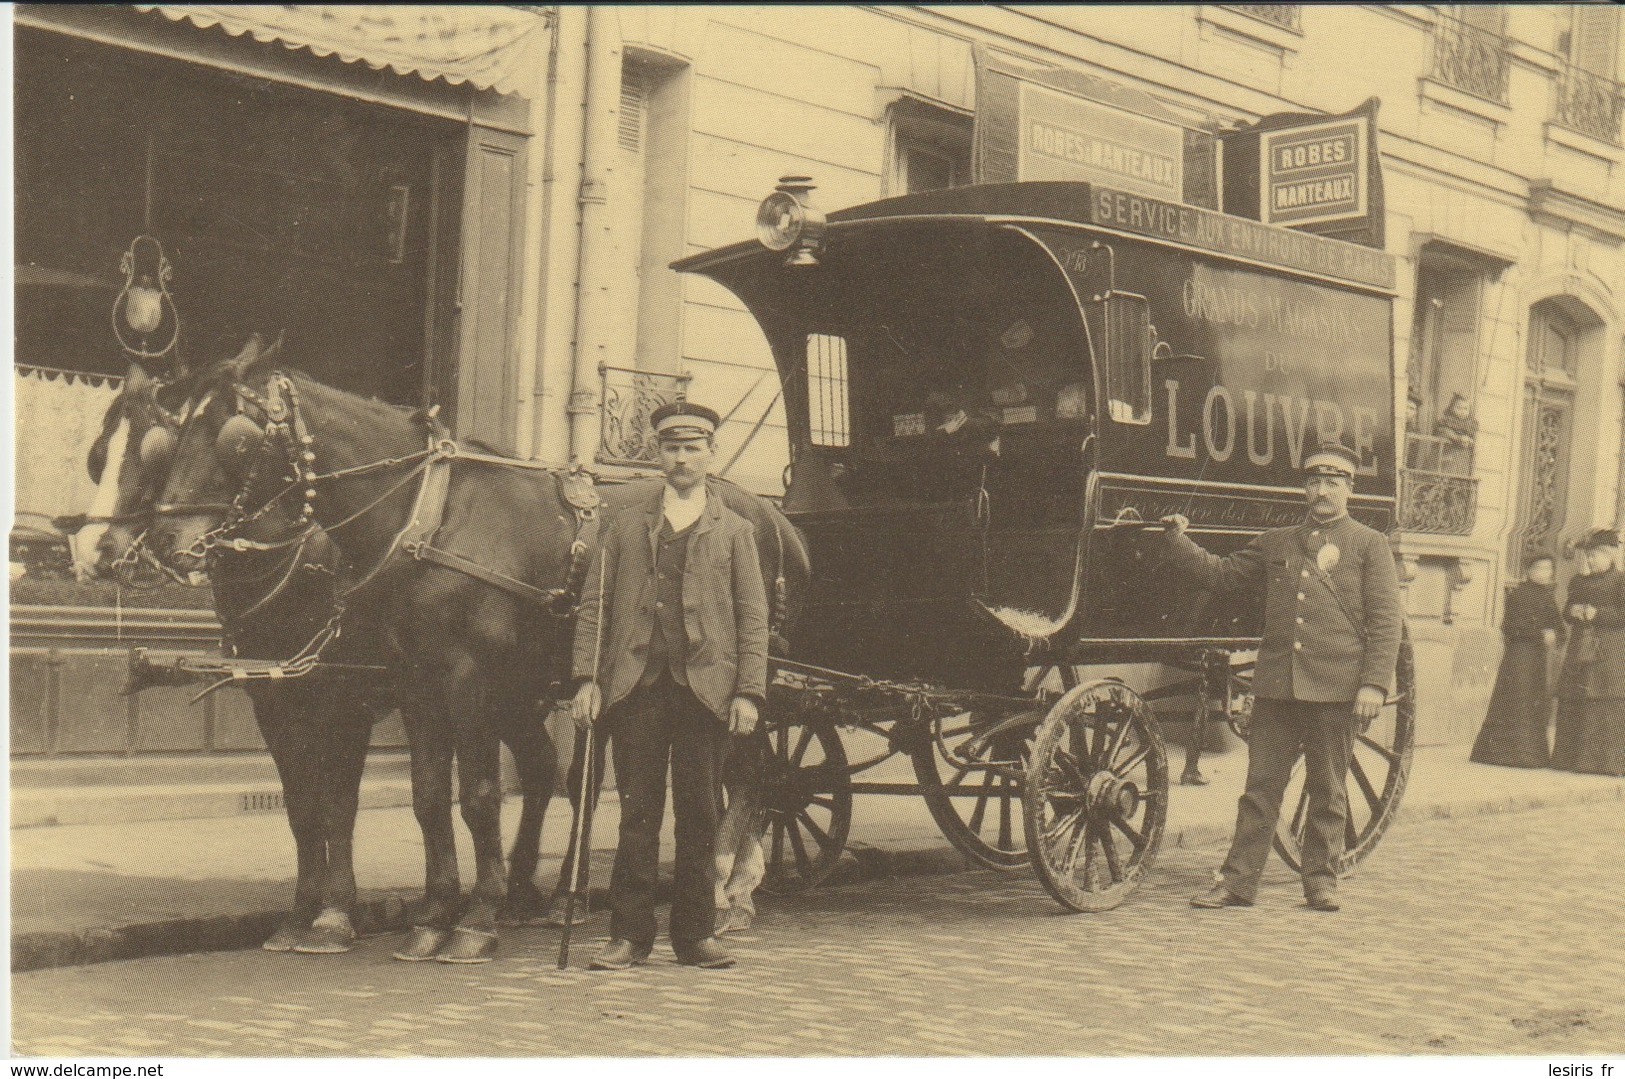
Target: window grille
column 630, row 132
column 827, row 414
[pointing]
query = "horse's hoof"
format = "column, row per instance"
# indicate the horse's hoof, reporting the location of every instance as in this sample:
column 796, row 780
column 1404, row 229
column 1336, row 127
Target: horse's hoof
column 330, row 934
column 422, row 943
column 524, row 906
column 284, row 939
column 555, row 916
column 469, row 946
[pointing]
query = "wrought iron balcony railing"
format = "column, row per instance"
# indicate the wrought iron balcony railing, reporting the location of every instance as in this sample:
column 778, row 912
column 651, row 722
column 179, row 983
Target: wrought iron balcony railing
column 1471, row 59
column 629, row 397
column 1283, row 15
column 1437, row 503
column 1589, row 103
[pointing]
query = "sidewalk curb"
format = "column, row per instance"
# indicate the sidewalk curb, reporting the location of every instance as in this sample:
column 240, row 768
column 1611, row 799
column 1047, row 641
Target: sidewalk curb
column 861, row 863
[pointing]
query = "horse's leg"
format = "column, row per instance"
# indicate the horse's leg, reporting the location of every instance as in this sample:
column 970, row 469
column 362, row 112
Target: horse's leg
column 429, row 735
column 346, row 729
column 284, row 726
column 479, row 789
column 578, row 758
column 536, row 760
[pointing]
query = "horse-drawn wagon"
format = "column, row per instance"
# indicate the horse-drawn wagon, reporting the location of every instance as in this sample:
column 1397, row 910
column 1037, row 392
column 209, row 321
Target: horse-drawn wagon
column 992, row 393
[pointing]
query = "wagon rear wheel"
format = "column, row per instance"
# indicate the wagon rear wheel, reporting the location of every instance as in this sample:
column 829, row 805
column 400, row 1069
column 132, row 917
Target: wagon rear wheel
column 975, row 795
column 1096, row 796
column 807, row 795
column 1378, row 769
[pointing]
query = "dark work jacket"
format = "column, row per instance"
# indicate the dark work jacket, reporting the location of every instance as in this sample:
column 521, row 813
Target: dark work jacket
column 724, row 602
column 1314, row 648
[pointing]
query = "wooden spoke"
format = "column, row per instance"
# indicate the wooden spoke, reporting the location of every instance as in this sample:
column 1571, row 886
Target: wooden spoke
column 1129, row 765
column 1300, row 817
column 1062, row 824
column 1109, row 849
column 817, row 833
column 1357, row 771
column 981, row 804
column 959, row 802
column 803, row 863
column 801, row 746
column 1127, row 829
column 1390, row 755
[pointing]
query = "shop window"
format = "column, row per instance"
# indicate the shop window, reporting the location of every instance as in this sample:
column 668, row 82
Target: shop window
column 931, row 147
column 827, row 408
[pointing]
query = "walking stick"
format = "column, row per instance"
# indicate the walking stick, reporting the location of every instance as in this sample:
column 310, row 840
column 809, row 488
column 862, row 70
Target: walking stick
column 581, row 864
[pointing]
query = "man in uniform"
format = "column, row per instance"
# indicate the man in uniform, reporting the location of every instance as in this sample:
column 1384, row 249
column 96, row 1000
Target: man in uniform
column 671, row 645
column 1332, row 626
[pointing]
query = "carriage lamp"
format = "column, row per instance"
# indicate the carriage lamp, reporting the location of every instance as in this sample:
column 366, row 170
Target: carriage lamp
column 787, row 221
column 139, row 308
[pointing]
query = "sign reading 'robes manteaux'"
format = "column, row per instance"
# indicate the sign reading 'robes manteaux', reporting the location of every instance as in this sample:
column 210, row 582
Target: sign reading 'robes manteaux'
column 1051, row 123
column 1066, row 137
column 1317, row 173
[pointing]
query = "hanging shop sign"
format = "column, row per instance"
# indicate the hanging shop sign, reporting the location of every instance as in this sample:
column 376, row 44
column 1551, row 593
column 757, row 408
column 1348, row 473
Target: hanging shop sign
column 1065, row 137
column 1317, row 173
column 1038, row 122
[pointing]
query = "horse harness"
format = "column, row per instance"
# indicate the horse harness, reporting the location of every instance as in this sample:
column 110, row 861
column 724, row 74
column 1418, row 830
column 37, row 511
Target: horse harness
column 285, row 428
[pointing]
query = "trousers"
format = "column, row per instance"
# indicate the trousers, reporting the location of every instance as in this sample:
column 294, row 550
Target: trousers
column 1323, row 734
column 659, row 727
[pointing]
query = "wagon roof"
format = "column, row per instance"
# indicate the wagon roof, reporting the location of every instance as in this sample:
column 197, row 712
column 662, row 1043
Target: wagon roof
column 1097, row 207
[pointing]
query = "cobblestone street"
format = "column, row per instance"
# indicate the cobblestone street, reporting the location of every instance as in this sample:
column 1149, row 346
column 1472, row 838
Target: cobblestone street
column 1492, row 935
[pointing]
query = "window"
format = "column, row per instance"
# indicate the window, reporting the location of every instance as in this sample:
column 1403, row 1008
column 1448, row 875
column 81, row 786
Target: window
column 1588, row 92
column 1440, row 426
column 1470, row 50
column 931, row 147
column 827, row 410
column 1283, row 15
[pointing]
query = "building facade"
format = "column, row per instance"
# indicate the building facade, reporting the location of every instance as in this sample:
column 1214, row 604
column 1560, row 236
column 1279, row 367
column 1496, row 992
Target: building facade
column 488, row 225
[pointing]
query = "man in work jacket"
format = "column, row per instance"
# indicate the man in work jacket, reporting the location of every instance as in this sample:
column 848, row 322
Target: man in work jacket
column 1332, row 627
column 671, row 646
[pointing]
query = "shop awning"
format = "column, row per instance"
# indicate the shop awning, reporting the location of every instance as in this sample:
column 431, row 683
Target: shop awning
column 493, row 47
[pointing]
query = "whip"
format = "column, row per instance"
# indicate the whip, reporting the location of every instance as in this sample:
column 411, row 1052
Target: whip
column 581, row 864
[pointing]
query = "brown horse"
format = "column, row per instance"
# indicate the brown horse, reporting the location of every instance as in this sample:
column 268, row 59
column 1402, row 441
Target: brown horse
column 476, row 656
column 271, row 604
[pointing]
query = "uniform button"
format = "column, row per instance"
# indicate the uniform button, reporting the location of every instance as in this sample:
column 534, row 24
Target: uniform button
column 1298, row 645
column 1300, row 620
column 1316, row 532
column 659, row 605
column 1303, row 573
column 1300, row 595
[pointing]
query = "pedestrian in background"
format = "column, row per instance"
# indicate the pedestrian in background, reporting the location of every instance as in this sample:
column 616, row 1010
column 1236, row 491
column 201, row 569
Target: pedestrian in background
column 1332, row 628
column 1591, row 699
column 676, row 592
column 1514, row 731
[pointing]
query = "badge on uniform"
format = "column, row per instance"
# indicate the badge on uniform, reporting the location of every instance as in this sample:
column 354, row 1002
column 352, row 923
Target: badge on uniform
column 1327, row 557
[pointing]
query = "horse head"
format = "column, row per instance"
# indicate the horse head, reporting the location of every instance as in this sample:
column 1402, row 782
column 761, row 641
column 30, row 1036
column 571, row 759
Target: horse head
column 210, row 458
column 126, row 461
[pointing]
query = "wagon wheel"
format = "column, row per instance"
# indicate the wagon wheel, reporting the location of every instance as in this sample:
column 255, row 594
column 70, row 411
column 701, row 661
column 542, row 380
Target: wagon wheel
column 1096, row 797
column 975, row 797
column 1378, row 769
column 807, row 796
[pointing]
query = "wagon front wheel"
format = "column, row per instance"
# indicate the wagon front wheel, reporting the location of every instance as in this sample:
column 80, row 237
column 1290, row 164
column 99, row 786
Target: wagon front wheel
column 1095, row 798
column 807, row 796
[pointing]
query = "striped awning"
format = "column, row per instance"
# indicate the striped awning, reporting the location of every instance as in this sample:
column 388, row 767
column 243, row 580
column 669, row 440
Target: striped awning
column 491, row 47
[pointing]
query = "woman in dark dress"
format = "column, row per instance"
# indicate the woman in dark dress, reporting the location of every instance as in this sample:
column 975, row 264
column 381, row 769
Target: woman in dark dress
column 1591, row 703
column 1514, row 733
